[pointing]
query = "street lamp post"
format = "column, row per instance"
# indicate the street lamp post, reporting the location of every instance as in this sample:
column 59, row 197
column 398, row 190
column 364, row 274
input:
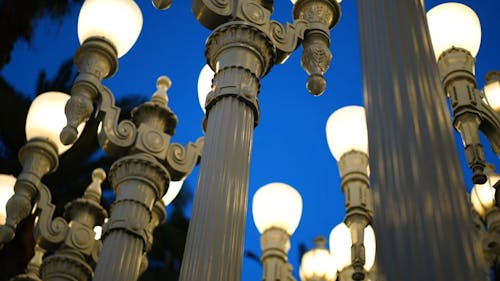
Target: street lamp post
column 39, row 157
column 456, row 36
column 415, row 171
column 348, row 141
column 243, row 47
column 277, row 208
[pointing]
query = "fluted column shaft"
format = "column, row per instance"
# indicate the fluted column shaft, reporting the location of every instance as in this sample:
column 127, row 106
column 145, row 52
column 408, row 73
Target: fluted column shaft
column 217, row 227
column 138, row 180
column 422, row 216
column 240, row 54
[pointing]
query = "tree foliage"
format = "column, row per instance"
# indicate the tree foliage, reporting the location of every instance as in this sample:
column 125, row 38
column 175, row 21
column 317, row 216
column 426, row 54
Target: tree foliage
column 18, row 20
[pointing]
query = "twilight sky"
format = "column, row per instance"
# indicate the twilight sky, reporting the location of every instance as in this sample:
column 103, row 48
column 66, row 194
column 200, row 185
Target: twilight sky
column 290, row 142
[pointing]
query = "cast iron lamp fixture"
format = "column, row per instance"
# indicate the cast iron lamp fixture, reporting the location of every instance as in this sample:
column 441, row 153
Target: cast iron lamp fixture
column 147, row 162
column 318, row 263
column 38, row 157
column 340, row 242
column 244, row 46
column 276, row 208
column 347, row 138
column 456, row 36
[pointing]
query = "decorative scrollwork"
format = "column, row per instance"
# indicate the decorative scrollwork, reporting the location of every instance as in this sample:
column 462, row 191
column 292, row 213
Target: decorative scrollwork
column 48, row 231
column 181, row 160
column 114, row 137
column 78, row 110
column 221, row 3
column 254, row 13
column 212, row 13
column 286, row 38
column 316, row 60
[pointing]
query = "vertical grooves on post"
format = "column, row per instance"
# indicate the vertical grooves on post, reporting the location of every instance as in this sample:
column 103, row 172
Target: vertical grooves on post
column 126, row 251
column 122, row 252
column 423, row 221
column 214, row 247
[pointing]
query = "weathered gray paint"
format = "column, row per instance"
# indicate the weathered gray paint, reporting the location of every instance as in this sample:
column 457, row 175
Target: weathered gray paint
column 423, row 221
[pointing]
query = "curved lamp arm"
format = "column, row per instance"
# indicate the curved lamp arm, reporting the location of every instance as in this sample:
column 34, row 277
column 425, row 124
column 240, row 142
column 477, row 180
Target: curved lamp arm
column 114, row 137
column 51, row 231
column 470, row 112
column 312, row 21
column 181, row 160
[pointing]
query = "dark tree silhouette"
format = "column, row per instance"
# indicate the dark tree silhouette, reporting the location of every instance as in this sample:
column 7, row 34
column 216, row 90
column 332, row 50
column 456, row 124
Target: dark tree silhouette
column 19, row 18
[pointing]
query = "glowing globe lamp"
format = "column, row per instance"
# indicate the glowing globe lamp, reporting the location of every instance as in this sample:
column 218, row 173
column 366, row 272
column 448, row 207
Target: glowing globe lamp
column 46, row 118
column 346, row 131
column 118, row 21
column 341, row 242
column 454, row 25
column 277, row 205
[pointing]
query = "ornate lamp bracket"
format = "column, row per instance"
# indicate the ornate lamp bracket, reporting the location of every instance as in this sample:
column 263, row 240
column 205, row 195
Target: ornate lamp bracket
column 76, row 253
column 51, row 231
column 96, row 59
column 470, row 111
column 114, row 137
column 38, row 158
column 320, row 15
column 181, row 160
column 266, row 41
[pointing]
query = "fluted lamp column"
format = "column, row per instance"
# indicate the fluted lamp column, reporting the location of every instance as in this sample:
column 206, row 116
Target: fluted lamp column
column 276, row 208
column 348, row 141
column 318, row 264
column 38, row 157
column 244, row 46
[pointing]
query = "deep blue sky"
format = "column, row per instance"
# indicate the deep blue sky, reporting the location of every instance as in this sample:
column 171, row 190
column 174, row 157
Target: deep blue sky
column 289, row 144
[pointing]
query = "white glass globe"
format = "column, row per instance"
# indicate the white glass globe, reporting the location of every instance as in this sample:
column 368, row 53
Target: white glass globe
column 7, row 183
column 346, row 130
column 482, row 197
column 119, row 21
column 277, row 205
column 98, row 230
column 492, row 93
column 204, row 84
column 173, row 189
column 317, row 264
column 341, row 242
column 454, row 25
column 46, row 118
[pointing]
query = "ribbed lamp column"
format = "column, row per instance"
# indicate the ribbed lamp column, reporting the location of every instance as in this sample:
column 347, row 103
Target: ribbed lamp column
column 422, row 215
column 240, row 55
column 216, row 231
